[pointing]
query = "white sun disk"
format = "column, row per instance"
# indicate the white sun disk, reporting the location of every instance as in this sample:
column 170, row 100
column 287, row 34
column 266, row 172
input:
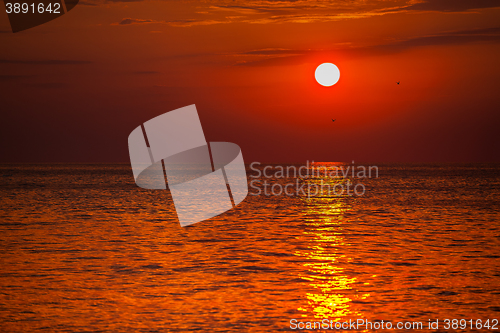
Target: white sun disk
column 327, row 74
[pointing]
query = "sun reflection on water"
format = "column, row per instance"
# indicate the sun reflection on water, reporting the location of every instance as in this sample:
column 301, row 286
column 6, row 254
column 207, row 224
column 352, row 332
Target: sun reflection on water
column 324, row 258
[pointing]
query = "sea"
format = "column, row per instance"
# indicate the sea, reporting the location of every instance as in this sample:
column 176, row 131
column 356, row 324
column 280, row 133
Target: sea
column 415, row 247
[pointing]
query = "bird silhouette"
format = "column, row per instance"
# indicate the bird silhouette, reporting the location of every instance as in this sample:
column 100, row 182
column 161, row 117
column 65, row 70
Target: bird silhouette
column 334, row 119
column 398, row 82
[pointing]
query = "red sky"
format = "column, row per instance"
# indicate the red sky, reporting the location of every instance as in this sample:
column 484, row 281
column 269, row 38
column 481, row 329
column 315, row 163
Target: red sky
column 72, row 90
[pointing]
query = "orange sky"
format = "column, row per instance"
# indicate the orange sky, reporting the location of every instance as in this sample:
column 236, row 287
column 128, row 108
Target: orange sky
column 74, row 88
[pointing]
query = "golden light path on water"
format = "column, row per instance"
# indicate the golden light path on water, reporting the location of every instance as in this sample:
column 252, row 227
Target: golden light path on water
column 324, row 217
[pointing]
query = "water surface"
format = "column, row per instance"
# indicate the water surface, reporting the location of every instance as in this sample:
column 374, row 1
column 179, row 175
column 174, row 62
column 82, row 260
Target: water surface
column 82, row 249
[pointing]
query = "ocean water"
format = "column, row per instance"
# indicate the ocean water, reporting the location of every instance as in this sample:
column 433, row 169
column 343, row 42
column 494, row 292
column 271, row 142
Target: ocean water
column 83, row 249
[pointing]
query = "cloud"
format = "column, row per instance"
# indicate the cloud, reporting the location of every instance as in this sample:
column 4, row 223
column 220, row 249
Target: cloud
column 145, row 72
column 47, row 85
column 240, row 19
column 103, row 2
column 262, row 12
column 267, row 55
column 453, row 5
column 270, row 57
column 172, row 23
column 45, row 62
column 484, row 31
column 265, row 12
column 300, row 11
column 135, row 21
column 344, row 7
column 452, row 37
column 276, row 57
column 194, row 22
column 8, row 78
column 272, row 52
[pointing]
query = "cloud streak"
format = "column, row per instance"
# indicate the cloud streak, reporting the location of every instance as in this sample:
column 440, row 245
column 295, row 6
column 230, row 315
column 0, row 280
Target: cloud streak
column 172, row 23
column 273, row 57
column 453, row 5
column 452, row 37
column 301, row 11
column 129, row 20
column 9, row 78
column 45, row 62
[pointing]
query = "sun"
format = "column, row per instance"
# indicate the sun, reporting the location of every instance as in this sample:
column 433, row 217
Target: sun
column 327, row 74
